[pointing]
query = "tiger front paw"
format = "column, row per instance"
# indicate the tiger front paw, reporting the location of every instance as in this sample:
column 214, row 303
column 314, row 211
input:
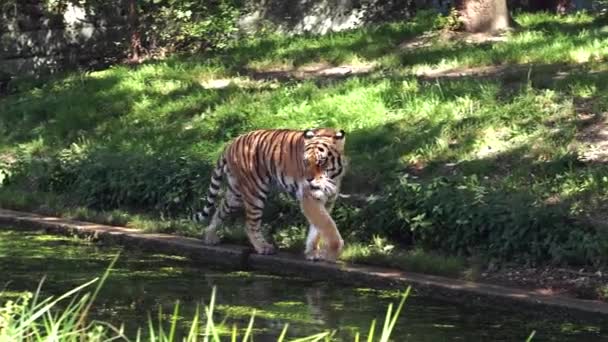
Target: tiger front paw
column 265, row 249
column 211, row 238
column 312, row 255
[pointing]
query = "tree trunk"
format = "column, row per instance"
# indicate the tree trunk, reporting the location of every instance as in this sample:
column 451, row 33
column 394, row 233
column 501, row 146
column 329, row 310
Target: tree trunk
column 563, row 6
column 484, row 15
column 135, row 46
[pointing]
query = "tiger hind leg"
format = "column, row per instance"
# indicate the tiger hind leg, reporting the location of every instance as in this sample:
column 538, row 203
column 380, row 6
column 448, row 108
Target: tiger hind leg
column 231, row 203
column 253, row 213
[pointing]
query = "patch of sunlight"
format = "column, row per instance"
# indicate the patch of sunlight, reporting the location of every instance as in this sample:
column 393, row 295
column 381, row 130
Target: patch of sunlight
column 33, row 147
column 288, row 303
column 248, row 275
column 527, row 37
column 594, row 50
column 41, row 238
column 224, row 329
column 359, row 107
column 581, row 55
column 583, row 90
column 240, row 82
column 575, row 328
column 270, row 65
column 444, row 65
column 166, row 86
column 102, row 73
column 169, row 257
column 492, row 141
column 246, row 311
column 379, row 293
column 240, row 274
column 337, row 306
column 6, row 294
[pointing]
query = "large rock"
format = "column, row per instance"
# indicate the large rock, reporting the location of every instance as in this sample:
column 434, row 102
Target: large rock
column 320, row 16
column 36, row 41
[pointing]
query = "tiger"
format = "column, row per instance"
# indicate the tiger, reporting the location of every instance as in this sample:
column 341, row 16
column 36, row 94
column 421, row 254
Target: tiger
column 308, row 164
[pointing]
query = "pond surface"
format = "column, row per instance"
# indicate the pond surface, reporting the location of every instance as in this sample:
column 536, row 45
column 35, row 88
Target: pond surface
column 143, row 282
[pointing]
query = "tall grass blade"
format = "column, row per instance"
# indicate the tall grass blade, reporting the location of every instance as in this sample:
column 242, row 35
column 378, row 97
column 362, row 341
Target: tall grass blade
column 313, row 338
column 101, row 282
column 47, row 307
column 151, row 329
column 174, row 322
column 209, row 312
column 388, row 329
column 249, row 330
column 193, row 333
column 370, row 335
column 283, row 333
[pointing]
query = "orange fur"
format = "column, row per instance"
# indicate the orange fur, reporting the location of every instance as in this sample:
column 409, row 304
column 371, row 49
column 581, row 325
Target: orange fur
column 308, row 164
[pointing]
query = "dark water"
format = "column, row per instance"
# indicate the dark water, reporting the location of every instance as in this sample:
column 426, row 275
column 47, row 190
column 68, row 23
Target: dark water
column 143, row 283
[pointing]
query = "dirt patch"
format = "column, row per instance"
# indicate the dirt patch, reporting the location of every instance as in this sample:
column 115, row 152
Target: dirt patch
column 593, row 136
column 310, row 71
column 581, row 283
column 270, row 77
column 448, row 36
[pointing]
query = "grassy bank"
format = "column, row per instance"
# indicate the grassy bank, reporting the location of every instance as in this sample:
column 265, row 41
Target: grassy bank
column 482, row 148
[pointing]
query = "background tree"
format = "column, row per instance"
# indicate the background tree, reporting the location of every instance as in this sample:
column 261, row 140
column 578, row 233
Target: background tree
column 135, row 39
column 483, row 15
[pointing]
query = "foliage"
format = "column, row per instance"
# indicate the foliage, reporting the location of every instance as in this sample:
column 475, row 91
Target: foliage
column 188, row 25
column 382, row 253
column 494, row 162
column 106, row 180
column 471, row 217
column 452, row 21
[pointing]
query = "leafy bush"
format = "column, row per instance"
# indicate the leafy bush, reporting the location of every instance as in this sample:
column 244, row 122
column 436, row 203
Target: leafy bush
column 108, row 180
column 188, row 25
column 468, row 217
column 465, row 216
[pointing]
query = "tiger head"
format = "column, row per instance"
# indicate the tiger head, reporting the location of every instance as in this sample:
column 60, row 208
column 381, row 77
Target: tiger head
column 324, row 160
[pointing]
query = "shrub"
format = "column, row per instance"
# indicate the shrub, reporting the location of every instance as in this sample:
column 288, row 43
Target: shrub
column 187, row 25
column 468, row 216
column 102, row 179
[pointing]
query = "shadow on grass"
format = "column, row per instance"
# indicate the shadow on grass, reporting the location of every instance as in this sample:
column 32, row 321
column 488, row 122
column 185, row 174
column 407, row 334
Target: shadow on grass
column 509, row 206
column 368, row 43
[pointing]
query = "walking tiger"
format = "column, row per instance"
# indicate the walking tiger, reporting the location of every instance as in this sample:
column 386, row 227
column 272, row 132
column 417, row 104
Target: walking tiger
column 309, row 164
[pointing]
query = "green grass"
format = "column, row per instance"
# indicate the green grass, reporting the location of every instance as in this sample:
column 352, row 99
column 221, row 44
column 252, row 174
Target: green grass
column 382, row 254
column 493, row 164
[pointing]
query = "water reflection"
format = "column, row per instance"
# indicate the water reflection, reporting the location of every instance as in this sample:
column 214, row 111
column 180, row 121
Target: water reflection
column 143, row 283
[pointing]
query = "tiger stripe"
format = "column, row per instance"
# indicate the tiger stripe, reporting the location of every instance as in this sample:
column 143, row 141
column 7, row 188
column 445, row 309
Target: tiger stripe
column 304, row 163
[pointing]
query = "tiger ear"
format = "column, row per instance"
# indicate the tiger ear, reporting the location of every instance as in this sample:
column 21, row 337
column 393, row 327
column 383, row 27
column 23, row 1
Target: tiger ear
column 309, row 134
column 340, row 134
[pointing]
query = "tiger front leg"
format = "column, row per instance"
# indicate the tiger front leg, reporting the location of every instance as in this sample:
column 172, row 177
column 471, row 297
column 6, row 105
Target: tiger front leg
column 312, row 251
column 312, row 244
column 325, row 229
